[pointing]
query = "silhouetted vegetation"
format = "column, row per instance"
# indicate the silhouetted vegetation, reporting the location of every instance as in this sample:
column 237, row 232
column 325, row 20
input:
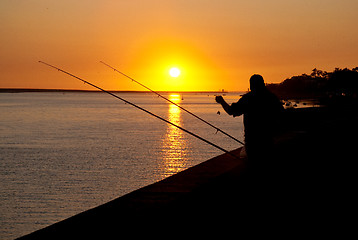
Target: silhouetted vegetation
column 339, row 85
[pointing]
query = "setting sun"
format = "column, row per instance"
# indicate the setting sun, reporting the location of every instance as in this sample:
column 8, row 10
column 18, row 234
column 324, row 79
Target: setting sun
column 216, row 46
column 174, row 72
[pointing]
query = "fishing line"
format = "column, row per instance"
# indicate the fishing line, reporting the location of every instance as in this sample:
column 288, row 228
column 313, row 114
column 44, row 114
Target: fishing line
column 140, row 108
column 159, row 95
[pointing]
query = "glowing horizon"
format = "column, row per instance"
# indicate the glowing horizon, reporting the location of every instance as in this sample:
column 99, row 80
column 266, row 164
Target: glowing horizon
column 215, row 44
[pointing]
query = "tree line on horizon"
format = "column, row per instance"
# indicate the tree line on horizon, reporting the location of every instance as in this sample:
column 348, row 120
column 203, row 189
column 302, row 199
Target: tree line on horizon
column 319, row 84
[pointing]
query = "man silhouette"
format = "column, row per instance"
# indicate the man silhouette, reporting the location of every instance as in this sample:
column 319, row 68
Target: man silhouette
column 261, row 110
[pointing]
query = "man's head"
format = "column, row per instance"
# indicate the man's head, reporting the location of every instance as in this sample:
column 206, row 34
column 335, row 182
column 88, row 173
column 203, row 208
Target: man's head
column 257, row 83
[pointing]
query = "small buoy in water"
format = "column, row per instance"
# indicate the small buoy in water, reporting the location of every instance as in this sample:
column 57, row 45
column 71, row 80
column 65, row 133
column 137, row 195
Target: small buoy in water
column 218, row 113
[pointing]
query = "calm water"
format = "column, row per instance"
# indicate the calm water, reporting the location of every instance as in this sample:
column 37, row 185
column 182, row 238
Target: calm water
column 63, row 153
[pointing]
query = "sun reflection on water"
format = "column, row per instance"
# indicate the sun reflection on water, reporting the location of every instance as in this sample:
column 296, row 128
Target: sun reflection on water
column 173, row 144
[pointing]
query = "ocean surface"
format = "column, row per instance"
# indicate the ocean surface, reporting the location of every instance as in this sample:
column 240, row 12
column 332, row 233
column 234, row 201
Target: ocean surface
column 64, row 152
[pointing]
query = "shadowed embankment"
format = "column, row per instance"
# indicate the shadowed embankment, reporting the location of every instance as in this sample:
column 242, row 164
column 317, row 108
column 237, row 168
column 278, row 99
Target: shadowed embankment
column 309, row 181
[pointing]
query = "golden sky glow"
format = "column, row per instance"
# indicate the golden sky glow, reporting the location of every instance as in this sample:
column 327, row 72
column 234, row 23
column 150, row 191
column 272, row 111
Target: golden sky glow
column 216, row 44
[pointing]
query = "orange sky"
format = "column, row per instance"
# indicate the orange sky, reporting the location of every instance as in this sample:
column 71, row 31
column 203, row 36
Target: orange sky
column 217, row 44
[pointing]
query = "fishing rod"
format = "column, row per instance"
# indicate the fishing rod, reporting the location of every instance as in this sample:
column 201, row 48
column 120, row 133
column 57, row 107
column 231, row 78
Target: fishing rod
column 140, row 108
column 159, row 95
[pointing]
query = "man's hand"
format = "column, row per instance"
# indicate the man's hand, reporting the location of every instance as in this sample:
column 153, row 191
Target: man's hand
column 226, row 107
column 219, row 99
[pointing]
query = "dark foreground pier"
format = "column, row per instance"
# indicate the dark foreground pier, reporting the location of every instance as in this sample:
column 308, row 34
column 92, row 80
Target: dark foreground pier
column 308, row 185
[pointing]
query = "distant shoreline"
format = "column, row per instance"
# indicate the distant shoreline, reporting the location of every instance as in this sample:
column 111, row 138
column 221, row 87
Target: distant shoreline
column 23, row 90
